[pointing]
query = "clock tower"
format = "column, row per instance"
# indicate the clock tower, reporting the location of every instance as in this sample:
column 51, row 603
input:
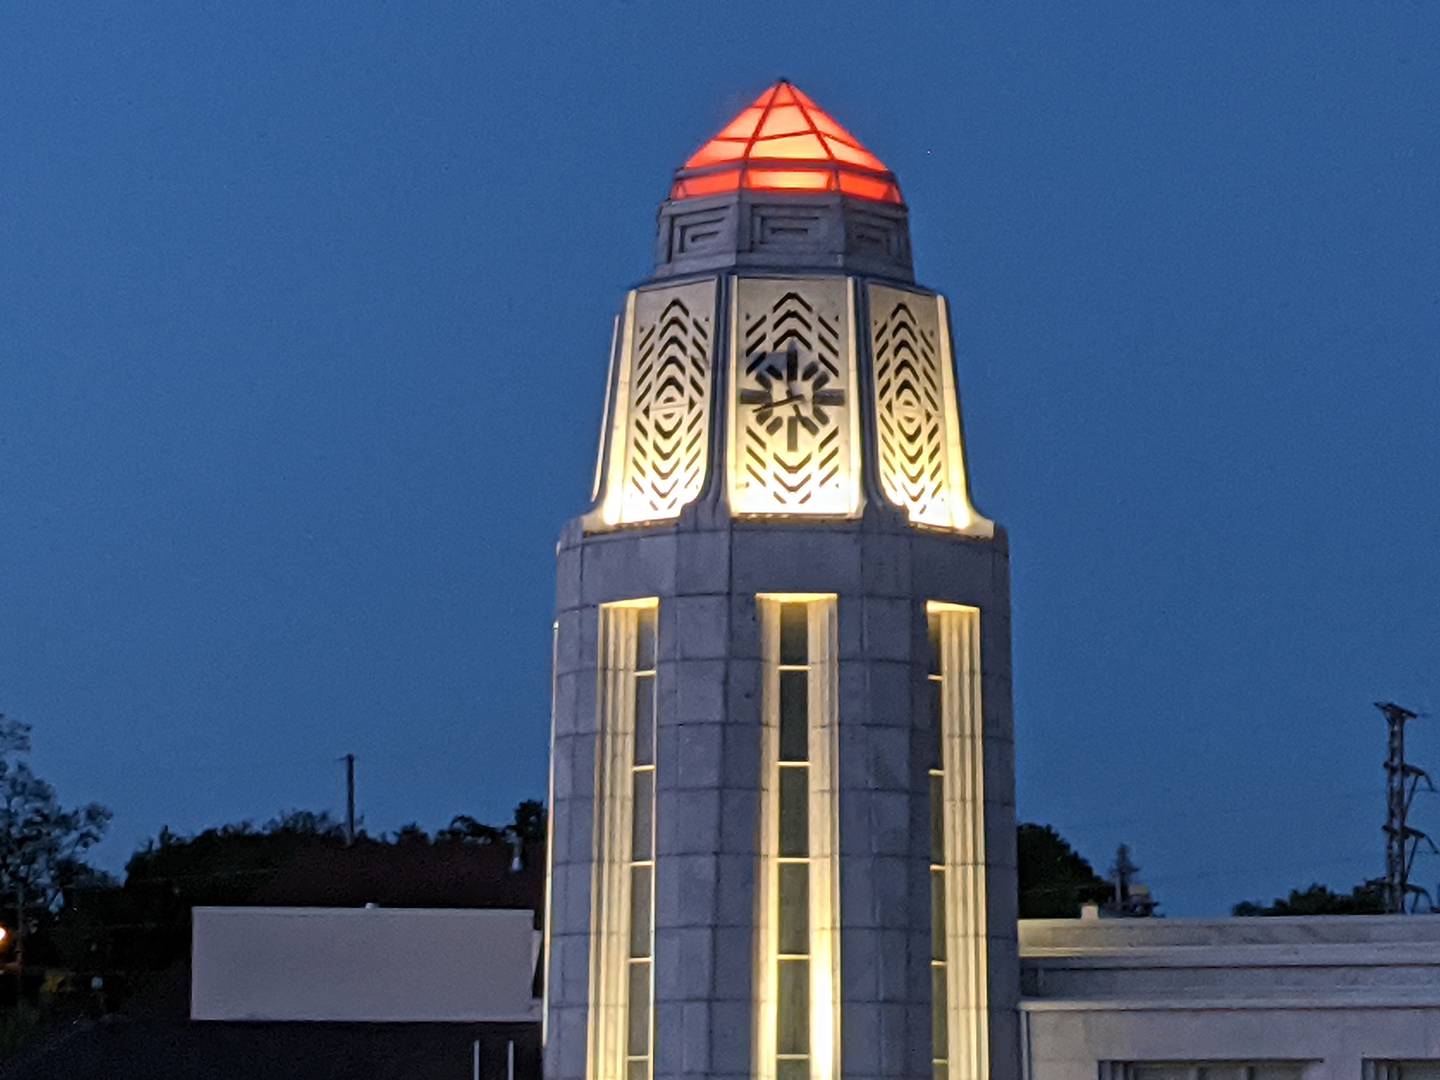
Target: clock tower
column 782, row 769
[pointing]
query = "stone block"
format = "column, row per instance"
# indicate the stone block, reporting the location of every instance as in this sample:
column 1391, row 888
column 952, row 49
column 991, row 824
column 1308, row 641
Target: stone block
column 573, row 759
column 860, row 1038
column 730, row 1050
column 893, row 967
column 998, row 713
column 744, row 627
column 685, row 891
column 565, row 1048
column 735, row 890
column 568, row 655
column 740, row 761
column 886, row 564
column 874, row 822
column 850, row 624
column 875, row 758
column 740, row 821
column 734, row 965
column 994, row 650
column 567, row 579
column 876, row 692
column 999, row 771
column 859, row 895
column 894, row 1031
column 955, row 570
column 688, row 822
column 566, row 687
column 572, row 898
column 889, row 627
column 627, row 566
column 702, row 563
column 860, row 965
column 691, row 755
column 702, row 627
column 575, row 703
column 742, row 693
column 821, row 558
column 570, row 968
column 699, row 691
column 574, row 830
column 684, row 963
column 696, row 1041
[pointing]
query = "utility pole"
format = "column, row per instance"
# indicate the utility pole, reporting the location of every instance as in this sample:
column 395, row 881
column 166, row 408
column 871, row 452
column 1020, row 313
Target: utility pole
column 1402, row 780
column 349, row 799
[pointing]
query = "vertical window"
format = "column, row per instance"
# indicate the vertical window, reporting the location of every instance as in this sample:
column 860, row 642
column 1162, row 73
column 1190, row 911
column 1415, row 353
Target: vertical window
column 797, row 966
column 939, row 992
column 623, row 915
column 959, row 1011
column 640, row 998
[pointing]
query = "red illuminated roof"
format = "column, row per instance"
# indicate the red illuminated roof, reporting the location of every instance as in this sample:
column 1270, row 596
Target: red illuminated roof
column 785, row 142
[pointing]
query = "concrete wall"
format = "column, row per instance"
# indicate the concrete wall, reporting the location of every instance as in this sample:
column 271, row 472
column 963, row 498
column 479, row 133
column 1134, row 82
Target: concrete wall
column 362, row 964
column 1329, row 992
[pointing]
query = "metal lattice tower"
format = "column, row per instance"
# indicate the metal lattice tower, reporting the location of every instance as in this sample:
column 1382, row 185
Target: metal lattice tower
column 1402, row 780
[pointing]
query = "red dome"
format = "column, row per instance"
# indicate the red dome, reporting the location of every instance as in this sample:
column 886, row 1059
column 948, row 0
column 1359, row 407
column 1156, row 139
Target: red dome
column 785, row 142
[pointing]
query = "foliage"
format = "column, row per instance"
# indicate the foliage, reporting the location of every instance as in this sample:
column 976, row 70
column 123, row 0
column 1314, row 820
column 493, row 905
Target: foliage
column 465, row 829
column 1367, row 899
column 40, row 840
column 528, row 827
column 1054, row 879
column 530, row 822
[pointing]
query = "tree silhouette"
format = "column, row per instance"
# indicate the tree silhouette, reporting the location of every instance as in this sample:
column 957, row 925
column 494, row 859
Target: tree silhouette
column 40, row 840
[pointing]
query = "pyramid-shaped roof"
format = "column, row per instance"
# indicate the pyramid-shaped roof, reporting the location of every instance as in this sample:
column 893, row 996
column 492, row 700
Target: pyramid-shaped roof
column 785, row 142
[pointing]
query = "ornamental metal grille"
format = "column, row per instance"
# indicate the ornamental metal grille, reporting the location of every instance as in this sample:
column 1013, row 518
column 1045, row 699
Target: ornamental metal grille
column 662, row 404
column 913, row 403
column 792, row 429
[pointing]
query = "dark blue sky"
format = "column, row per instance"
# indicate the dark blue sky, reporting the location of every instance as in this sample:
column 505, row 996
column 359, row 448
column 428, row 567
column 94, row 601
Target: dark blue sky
column 303, row 320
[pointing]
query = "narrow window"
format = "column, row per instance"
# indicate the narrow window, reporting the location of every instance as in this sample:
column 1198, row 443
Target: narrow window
column 623, row 917
column 796, row 998
column 958, row 961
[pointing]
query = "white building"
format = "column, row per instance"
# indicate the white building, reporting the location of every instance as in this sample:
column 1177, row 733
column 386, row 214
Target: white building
column 1315, row 998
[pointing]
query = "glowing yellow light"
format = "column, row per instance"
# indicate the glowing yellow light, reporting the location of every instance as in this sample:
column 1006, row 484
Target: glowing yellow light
column 962, row 759
column 658, row 405
column 919, row 446
column 818, row 855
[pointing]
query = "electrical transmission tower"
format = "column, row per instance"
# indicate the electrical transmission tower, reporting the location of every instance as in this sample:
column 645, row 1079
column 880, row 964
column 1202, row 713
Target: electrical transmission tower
column 1402, row 842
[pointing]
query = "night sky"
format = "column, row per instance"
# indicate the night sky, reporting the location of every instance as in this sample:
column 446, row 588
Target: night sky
column 304, row 312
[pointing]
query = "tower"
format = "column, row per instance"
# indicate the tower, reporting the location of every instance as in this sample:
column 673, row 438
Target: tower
column 782, row 754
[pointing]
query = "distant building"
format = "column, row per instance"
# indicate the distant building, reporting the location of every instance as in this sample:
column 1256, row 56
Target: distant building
column 1317, row 998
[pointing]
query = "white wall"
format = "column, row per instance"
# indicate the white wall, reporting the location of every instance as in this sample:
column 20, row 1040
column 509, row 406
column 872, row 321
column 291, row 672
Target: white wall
column 362, row 964
column 1331, row 992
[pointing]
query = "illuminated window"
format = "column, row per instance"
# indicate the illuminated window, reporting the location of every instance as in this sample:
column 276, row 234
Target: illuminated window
column 794, row 425
column 623, row 919
column 917, row 411
column 659, row 406
column 939, row 993
column 797, row 1006
column 785, row 142
column 958, row 957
